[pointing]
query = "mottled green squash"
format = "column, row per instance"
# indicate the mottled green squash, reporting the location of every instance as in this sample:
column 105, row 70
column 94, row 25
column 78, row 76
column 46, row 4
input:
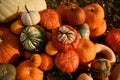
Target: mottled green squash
column 33, row 38
column 7, row 72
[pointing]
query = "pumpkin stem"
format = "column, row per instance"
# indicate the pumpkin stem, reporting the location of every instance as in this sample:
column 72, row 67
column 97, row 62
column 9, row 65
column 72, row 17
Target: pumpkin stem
column 26, row 8
column 92, row 9
column 74, row 8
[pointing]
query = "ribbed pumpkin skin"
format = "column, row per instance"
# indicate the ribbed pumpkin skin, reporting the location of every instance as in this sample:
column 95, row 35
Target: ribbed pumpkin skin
column 65, row 44
column 113, row 40
column 50, row 19
column 33, row 38
column 10, row 49
column 7, row 72
column 67, row 61
column 94, row 15
column 27, row 72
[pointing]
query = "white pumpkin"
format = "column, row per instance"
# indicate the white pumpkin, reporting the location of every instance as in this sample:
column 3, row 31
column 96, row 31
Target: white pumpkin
column 30, row 18
column 10, row 9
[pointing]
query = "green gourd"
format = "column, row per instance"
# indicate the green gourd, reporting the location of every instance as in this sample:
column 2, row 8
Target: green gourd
column 7, row 72
column 33, row 38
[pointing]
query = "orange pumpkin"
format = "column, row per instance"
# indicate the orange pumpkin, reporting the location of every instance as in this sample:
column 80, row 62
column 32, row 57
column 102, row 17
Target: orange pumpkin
column 65, row 37
column 86, row 51
column 27, row 72
column 63, row 8
column 94, row 15
column 35, row 60
column 113, row 40
column 10, row 49
column 50, row 19
column 76, row 16
column 67, row 61
column 99, row 31
column 47, row 62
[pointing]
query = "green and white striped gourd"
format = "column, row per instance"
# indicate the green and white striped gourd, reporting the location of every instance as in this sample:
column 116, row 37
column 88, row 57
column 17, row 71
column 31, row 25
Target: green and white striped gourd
column 33, row 38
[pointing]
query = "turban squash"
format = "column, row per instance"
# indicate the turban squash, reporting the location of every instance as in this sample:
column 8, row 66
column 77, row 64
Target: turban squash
column 10, row 49
column 65, row 37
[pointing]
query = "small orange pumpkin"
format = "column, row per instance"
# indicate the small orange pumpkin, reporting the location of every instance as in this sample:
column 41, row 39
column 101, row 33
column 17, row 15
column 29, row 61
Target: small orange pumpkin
column 50, row 19
column 63, row 8
column 65, row 37
column 99, row 31
column 94, row 15
column 67, row 61
column 86, row 51
column 47, row 62
column 76, row 16
column 35, row 60
column 113, row 40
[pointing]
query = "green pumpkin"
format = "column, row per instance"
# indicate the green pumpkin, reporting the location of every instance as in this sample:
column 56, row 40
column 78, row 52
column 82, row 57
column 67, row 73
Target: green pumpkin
column 83, row 31
column 7, row 72
column 33, row 38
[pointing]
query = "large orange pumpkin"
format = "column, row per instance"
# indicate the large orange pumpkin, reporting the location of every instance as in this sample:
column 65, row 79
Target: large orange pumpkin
column 94, row 15
column 67, row 61
column 86, row 51
column 113, row 40
column 26, row 72
column 10, row 49
column 99, row 31
column 65, row 37
column 50, row 19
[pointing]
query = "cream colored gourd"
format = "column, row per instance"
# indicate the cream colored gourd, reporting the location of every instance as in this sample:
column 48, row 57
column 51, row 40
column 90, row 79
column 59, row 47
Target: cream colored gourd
column 109, row 54
column 84, row 76
column 10, row 9
column 30, row 17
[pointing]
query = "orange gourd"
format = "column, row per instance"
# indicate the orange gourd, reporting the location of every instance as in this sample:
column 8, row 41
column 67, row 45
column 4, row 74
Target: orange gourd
column 76, row 16
column 47, row 62
column 50, row 49
column 99, row 31
column 50, row 19
column 63, row 8
column 67, row 61
column 65, row 37
column 86, row 51
column 35, row 60
column 94, row 15
column 10, row 49
column 26, row 72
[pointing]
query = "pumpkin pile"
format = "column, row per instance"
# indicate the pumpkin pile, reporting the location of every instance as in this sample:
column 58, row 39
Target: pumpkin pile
column 40, row 43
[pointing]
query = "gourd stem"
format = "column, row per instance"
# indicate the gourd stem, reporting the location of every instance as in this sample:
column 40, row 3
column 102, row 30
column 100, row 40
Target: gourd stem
column 92, row 9
column 26, row 8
